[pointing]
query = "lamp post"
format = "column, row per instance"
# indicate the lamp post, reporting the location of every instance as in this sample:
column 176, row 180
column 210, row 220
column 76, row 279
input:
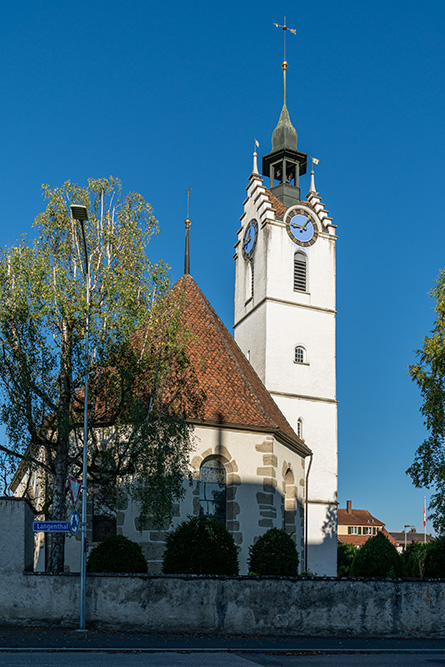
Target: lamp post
column 405, row 527
column 80, row 214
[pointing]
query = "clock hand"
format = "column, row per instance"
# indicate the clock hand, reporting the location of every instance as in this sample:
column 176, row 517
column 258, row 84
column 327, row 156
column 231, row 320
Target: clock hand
column 294, row 224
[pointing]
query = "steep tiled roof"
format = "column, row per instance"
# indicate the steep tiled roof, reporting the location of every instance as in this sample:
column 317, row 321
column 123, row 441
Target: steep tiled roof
column 278, row 207
column 235, row 394
column 357, row 518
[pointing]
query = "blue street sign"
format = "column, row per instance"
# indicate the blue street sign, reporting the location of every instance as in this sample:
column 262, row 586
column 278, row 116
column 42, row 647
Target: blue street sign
column 74, row 523
column 51, row 526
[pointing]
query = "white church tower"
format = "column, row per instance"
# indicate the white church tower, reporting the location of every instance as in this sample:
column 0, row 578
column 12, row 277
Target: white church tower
column 285, row 319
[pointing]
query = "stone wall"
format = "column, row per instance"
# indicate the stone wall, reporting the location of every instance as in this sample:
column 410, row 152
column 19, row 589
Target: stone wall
column 248, row 605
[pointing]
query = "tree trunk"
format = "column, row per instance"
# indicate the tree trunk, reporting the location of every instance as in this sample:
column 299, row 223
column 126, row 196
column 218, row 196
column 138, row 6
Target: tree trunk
column 61, row 459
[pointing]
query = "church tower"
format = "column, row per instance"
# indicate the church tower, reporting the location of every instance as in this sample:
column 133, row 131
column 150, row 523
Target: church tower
column 285, row 319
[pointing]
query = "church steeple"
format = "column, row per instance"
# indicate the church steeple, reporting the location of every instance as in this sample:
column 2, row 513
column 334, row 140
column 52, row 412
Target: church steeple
column 285, row 163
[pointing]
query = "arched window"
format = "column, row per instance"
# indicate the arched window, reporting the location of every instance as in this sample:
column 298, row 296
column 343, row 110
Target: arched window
column 212, row 489
column 300, row 272
column 289, row 502
column 299, row 355
column 300, row 428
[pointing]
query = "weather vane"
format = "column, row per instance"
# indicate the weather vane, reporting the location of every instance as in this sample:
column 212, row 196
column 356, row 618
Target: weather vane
column 285, row 28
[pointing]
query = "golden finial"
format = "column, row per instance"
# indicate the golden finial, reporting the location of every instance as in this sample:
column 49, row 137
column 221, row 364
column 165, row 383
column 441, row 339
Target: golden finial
column 188, row 222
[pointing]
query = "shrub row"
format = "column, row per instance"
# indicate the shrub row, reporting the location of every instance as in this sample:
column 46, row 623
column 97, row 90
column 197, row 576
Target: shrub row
column 200, row 546
column 379, row 558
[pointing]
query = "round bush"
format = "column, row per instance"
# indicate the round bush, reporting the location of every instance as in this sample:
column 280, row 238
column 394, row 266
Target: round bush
column 200, row 546
column 377, row 558
column 117, row 554
column 274, row 553
column 435, row 559
column 345, row 555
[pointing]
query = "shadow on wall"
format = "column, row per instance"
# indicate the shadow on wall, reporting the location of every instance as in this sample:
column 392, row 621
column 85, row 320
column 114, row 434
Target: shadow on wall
column 218, row 489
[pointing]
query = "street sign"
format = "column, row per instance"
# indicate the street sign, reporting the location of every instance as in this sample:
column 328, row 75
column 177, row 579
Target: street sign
column 74, row 523
column 75, row 489
column 51, row 527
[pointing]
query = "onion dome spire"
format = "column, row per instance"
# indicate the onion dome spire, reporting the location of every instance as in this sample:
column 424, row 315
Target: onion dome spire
column 187, row 223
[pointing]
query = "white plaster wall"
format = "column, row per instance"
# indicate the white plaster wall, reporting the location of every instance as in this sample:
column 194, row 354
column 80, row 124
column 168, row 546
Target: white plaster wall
column 284, row 319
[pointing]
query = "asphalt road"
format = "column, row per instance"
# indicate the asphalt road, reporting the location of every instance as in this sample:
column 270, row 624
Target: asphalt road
column 67, row 647
column 216, row 660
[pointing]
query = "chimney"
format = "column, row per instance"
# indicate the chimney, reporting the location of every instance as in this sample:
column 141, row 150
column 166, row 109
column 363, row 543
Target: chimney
column 349, row 506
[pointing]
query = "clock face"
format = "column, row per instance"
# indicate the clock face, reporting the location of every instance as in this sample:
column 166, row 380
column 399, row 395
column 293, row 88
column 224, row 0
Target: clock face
column 249, row 240
column 301, row 225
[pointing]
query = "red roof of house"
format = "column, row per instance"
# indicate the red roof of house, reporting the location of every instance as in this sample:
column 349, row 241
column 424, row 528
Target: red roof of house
column 235, row 395
column 357, row 518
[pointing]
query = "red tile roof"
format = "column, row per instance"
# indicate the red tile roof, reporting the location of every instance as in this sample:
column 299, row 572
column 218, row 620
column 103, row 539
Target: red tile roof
column 357, row 518
column 235, row 395
column 278, row 207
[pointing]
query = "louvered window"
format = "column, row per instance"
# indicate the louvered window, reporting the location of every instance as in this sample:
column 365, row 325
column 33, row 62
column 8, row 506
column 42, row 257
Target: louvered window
column 252, row 275
column 300, row 272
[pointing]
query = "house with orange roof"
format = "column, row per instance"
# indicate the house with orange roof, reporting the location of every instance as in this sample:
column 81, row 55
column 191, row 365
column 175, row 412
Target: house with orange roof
column 357, row 526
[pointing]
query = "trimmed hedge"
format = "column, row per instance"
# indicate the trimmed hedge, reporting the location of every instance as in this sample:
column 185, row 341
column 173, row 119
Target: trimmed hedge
column 345, row 557
column 274, row 553
column 377, row 558
column 200, row 546
column 435, row 559
column 117, row 554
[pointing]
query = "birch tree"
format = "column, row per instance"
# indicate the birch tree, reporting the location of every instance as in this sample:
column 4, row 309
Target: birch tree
column 141, row 385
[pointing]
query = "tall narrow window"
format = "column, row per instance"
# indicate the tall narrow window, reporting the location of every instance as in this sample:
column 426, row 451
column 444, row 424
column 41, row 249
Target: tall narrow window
column 212, row 489
column 299, row 355
column 289, row 502
column 300, row 272
column 249, row 281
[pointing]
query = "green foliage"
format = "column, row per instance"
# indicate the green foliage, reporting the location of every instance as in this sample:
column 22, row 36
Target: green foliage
column 435, row 559
column 141, row 385
column 428, row 467
column 413, row 560
column 200, row 546
column 117, row 554
column 377, row 558
column 274, row 553
column 345, row 556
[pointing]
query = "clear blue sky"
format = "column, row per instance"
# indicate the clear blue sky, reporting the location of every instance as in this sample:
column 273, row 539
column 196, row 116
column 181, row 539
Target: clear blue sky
column 170, row 95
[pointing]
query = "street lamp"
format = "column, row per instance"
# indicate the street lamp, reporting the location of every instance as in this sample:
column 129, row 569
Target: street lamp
column 80, row 214
column 405, row 527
